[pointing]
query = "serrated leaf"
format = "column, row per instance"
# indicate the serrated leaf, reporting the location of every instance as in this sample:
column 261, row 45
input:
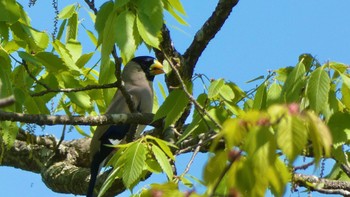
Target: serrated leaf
column 9, row 11
column 172, row 107
column 176, row 4
column 84, row 59
column 51, row 62
column 171, row 10
column 8, row 133
column 293, row 87
column 125, row 35
column 320, row 136
column 215, row 88
column 318, row 89
column 66, row 12
column 164, row 145
column 339, row 126
column 291, row 136
column 163, row 161
column 66, row 57
column 134, row 163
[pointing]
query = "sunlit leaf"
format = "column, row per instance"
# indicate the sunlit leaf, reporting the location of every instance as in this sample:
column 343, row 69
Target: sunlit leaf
column 318, row 88
column 163, row 161
column 9, row 11
column 134, row 163
column 215, row 88
column 67, row 12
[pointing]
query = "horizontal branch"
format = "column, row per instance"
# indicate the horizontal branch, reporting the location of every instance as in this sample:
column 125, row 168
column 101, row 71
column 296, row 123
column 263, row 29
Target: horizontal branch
column 7, row 101
column 88, row 87
column 323, row 185
column 133, row 118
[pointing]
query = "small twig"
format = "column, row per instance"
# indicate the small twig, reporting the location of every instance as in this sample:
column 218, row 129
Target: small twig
column 88, row 87
column 25, row 65
column 7, row 101
column 62, row 137
column 195, row 152
column 204, row 139
column 304, row 166
column 189, row 95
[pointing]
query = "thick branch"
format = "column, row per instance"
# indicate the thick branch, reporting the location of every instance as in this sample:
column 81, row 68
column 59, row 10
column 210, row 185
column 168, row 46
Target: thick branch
column 208, row 31
column 323, row 185
column 135, row 118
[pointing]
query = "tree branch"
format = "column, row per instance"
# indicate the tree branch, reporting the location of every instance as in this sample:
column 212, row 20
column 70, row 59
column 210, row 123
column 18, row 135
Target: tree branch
column 322, row 185
column 7, row 101
column 207, row 32
column 41, row 119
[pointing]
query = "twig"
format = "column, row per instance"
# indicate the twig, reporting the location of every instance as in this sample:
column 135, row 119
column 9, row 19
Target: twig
column 195, row 152
column 7, row 101
column 88, row 87
column 304, row 166
column 62, row 137
column 189, row 95
column 25, row 65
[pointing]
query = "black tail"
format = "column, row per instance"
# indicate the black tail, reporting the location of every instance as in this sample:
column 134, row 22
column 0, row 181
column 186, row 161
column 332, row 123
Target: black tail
column 95, row 168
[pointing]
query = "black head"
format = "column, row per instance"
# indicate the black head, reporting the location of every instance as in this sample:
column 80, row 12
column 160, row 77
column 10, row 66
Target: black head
column 149, row 65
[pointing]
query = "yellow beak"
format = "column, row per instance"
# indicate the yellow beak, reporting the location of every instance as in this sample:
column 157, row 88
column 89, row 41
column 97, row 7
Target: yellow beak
column 156, row 68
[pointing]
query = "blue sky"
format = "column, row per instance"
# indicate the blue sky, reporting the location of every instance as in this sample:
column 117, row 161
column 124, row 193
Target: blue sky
column 259, row 36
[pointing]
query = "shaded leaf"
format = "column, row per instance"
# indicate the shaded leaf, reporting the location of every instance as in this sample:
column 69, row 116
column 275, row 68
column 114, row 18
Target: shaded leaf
column 163, row 161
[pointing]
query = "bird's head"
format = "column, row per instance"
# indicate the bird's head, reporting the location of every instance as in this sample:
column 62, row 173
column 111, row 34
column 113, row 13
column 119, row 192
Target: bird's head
column 149, row 65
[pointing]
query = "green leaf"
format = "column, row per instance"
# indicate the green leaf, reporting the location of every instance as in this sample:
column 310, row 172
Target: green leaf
column 172, row 107
column 8, row 133
column 66, row 57
column 51, row 62
column 134, row 163
column 320, row 136
column 162, row 91
column 35, row 105
column 278, row 176
column 294, row 85
column 125, row 35
column 9, row 11
column 339, row 126
column 176, row 4
column 82, row 99
column 227, row 93
column 120, row 3
column 150, row 21
column 163, row 161
column 101, row 18
column 84, row 59
column 215, row 88
column 75, row 49
column 109, row 181
column 171, row 10
column 109, row 37
column 214, row 167
column 67, row 12
column 72, row 28
column 273, row 94
column 164, row 145
column 317, row 89
column 260, row 98
column 291, row 136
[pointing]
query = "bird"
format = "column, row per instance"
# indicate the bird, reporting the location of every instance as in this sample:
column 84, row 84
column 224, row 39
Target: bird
column 137, row 76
